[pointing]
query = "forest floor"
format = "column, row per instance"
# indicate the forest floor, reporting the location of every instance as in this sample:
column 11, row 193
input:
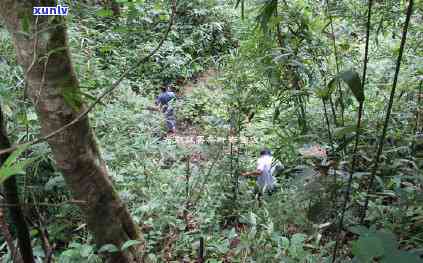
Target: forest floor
column 200, row 82
column 187, row 134
column 186, row 138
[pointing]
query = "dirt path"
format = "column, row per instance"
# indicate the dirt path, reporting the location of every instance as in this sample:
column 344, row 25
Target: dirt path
column 201, row 81
column 195, row 158
column 183, row 129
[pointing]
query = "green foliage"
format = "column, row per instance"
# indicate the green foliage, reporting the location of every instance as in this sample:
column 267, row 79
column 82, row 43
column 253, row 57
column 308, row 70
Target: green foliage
column 72, row 98
column 129, row 244
column 78, row 252
column 264, row 243
column 381, row 244
column 12, row 166
column 201, row 33
column 353, row 80
column 110, row 248
column 271, row 71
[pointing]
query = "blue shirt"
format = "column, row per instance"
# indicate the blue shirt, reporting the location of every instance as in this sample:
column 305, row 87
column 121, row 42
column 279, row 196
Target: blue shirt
column 165, row 97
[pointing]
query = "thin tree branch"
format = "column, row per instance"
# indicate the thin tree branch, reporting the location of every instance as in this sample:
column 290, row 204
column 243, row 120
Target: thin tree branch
column 419, row 98
column 328, row 125
column 357, row 135
column 206, row 177
column 388, row 111
column 75, row 202
column 335, row 50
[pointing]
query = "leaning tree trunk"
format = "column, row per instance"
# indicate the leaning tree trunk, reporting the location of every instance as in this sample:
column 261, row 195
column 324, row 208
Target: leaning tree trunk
column 42, row 50
column 12, row 199
column 7, row 236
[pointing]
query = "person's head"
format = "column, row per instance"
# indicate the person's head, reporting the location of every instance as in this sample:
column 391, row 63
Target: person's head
column 163, row 88
column 265, row 151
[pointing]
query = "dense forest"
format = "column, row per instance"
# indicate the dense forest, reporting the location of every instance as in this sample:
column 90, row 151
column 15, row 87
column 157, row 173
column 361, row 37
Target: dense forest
column 211, row 131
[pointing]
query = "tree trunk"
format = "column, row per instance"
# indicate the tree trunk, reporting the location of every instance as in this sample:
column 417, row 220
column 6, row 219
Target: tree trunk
column 107, row 4
column 4, row 229
column 115, row 8
column 12, row 199
column 54, row 91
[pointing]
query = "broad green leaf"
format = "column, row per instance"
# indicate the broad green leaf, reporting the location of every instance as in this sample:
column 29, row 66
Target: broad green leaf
column 367, row 247
column 164, row 17
column 14, row 156
column 72, row 98
column 55, row 50
column 285, row 242
column 85, row 251
column 158, row 7
column 15, row 169
column 401, row 256
column 130, row 243
column 12, row 166
column 389, row 240
column 108, row 248
column 328, row 90
column 358, row 230
column 26, row 23
column 253, row 219
column 274, row 21
column 343, row 131
column 7, row 172
column 75, row 245
column 354, row 82
column 104, row 13
column 152, row 257
column 34, row 232
column 39, row 252
column 298, row 238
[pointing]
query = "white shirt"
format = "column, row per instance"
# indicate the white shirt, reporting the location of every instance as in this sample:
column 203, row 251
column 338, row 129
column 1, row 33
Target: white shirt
column 264, row 165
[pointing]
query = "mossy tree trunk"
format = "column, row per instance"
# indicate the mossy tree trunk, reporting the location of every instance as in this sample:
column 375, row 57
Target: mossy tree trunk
column 42, row 50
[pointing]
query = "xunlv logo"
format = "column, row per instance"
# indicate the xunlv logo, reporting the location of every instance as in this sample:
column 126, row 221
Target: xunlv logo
column 50, row 10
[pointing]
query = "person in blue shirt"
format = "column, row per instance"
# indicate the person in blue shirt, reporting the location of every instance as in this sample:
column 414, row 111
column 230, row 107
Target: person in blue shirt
column 164, row 100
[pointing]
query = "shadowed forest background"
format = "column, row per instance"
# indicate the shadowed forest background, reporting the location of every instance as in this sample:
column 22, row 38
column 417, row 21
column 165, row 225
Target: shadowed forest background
column 333, row 88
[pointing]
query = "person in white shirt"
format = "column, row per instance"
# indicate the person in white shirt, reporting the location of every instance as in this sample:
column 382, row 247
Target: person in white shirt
column 266, row 182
